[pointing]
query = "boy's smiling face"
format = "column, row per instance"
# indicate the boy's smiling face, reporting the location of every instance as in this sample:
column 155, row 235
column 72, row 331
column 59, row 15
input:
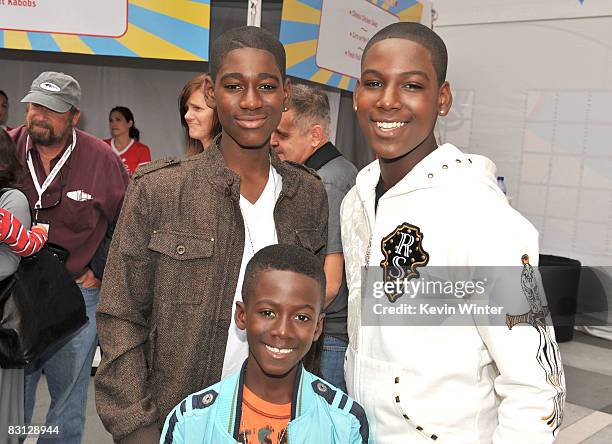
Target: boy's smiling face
column 398, row 97
column 282, row 317
column 249, row 95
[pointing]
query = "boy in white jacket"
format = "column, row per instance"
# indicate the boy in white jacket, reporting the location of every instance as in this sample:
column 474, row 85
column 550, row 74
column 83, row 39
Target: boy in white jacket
column 418, row 207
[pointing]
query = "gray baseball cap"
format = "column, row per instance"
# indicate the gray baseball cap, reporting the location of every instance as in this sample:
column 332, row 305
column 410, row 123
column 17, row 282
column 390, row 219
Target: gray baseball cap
column 54, row 90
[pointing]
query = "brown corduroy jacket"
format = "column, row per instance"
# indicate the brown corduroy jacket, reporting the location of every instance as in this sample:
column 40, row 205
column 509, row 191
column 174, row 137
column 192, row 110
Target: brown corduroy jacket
column 170, row 280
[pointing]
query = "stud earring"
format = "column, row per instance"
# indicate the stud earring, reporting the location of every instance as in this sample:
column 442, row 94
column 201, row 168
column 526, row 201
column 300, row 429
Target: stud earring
column 285, row 109
column 442, row 112
column 355, row 108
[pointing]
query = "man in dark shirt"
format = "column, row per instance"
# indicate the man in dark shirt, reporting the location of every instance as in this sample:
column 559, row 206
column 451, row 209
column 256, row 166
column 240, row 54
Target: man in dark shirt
column 75, row 185
column 302, row 136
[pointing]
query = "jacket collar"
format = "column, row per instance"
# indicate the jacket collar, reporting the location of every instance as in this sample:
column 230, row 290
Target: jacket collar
column 444, row 164
column 321, row 156
column 227, row 181
column 296, row 398
column 419, row 177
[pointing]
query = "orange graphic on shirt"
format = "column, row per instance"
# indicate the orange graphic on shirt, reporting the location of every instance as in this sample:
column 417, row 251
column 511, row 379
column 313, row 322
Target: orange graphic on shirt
column 263, row 422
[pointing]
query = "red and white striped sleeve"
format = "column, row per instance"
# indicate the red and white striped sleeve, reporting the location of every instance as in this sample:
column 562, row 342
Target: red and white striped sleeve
column 18, row 238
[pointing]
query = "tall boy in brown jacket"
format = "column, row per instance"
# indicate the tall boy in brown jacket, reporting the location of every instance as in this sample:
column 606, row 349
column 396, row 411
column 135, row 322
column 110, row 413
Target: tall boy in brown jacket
column 185, row 233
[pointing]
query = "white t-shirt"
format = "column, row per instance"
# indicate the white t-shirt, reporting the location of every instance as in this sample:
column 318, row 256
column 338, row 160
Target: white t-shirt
column 259, row 232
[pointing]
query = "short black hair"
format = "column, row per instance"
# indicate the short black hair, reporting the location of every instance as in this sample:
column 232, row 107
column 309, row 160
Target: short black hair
column 246, row 37
column 2, row 93
column 417, row 33
column 287, row 258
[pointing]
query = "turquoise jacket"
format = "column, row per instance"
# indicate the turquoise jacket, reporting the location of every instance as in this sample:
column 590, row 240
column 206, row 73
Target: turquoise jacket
column 320, row 413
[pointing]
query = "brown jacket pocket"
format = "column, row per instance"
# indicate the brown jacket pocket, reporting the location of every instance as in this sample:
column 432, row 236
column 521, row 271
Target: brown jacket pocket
column 182, row 246
column 184, row 266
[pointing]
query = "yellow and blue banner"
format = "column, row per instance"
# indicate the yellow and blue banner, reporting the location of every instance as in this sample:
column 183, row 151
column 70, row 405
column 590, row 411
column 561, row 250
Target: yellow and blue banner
column 324, row 39
column 159, row 29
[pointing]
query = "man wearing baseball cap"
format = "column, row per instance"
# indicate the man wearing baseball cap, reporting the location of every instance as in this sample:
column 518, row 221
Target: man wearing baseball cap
column 75, row 185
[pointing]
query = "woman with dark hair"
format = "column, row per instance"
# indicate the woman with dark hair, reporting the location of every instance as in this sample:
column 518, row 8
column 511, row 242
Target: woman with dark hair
column 14, row 210
column 126, row 139
column 200, row 122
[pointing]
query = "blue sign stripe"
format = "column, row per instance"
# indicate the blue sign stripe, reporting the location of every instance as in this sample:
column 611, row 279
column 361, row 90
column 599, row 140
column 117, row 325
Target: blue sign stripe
column 185, row 35
column 106, row 46
column 334, row 80
column 317, row 4
column 42, row 42
column 305, row 69
column 206, row 2
column 352, row 84
column 401, row 5
column 1, row 39
column 293, row 32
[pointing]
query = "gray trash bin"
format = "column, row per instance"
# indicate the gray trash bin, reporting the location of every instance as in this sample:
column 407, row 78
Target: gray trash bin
column 561, row 277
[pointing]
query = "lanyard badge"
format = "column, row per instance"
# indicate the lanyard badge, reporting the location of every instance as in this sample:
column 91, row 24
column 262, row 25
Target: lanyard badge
column 40, row 189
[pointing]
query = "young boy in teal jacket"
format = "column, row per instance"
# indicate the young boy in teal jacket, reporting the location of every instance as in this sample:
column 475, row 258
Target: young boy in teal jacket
column 273, row 398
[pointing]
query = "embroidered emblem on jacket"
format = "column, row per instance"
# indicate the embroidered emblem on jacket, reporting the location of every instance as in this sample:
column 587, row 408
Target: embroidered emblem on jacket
column 548, row 355
column 538, row 312
column 403, row 252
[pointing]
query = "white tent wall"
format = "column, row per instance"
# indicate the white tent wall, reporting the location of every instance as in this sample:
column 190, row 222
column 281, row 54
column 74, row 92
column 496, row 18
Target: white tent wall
column 534, row 93
column 453, row 12
column 151, row 94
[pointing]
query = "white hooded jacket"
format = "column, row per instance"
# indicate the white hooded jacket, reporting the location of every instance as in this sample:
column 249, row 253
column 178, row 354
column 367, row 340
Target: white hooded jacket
column 448, row 384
